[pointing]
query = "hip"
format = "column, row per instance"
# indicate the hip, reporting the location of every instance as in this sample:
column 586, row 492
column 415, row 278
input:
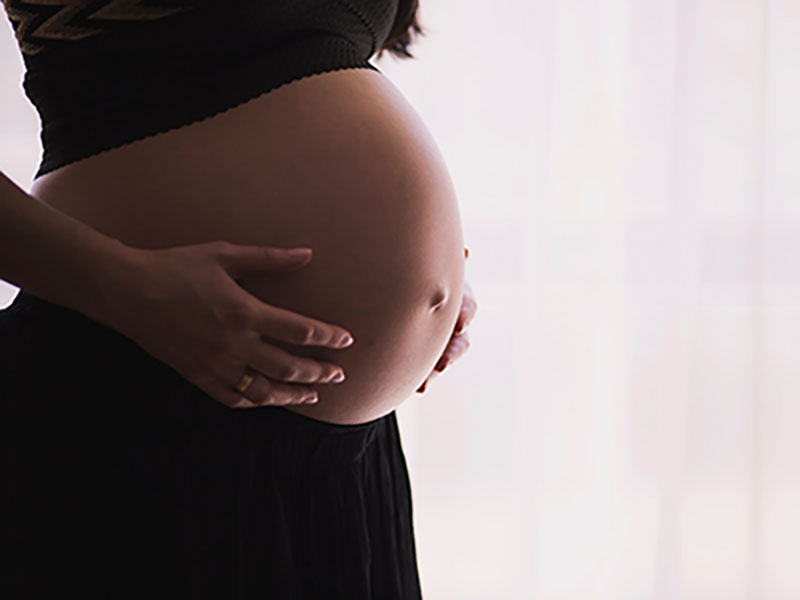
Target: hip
column 168, row 490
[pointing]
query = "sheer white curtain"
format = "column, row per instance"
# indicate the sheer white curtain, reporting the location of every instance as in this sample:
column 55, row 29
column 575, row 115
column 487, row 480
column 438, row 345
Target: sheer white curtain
column 626, row 422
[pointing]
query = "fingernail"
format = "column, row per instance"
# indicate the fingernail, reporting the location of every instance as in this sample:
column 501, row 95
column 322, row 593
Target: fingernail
column 338, row 378
column 311, row 400
column 298, row 252
column 346, row 341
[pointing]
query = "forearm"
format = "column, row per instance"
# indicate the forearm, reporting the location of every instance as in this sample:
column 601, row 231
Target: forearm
column 57, row 257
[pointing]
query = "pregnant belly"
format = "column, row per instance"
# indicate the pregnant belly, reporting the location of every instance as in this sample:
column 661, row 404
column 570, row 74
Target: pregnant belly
column 339, row 162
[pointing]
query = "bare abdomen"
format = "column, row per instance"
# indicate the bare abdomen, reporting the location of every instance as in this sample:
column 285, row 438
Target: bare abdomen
column 339, row 162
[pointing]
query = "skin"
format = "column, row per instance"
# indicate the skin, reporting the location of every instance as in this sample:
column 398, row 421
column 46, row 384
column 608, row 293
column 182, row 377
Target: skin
column 459, row 340
column 339, row 162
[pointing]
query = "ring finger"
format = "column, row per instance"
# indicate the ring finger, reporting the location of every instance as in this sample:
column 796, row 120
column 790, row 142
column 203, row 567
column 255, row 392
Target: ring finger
column 264, row 392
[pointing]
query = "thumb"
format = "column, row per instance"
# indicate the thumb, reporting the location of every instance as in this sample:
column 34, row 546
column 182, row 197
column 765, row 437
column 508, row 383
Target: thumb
column 243, row 259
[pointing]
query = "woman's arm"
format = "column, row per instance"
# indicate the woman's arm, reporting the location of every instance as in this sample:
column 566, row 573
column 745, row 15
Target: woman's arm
column 181, row 305
column 55, row 256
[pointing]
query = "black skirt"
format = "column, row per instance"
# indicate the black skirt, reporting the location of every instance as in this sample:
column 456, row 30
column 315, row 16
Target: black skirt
column 120, row 479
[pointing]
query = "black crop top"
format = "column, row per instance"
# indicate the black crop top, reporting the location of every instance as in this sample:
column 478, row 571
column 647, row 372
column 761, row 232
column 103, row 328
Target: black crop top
column 102, row 73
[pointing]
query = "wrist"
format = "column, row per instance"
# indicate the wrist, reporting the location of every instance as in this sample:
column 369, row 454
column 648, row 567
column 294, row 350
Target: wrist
column 112, row 277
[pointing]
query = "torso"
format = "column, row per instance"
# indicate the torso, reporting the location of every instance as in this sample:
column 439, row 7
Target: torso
column 339, row 162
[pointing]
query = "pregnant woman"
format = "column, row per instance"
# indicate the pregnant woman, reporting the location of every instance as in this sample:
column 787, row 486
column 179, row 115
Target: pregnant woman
column 154, row 366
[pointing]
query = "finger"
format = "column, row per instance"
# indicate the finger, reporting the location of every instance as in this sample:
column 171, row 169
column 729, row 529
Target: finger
column 228, row 397
column 279, row 365
column 459, row 345
column 238, row 259
column 281, row 394
column 265, row 392
column 294, row 328
column 455, row 348
column 461, row 322
column 468, row 309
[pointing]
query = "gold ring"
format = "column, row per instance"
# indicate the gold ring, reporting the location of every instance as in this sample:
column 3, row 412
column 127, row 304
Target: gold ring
column 244, row 382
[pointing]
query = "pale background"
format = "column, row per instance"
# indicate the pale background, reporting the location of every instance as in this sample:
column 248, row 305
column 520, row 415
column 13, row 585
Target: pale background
column 626, row 423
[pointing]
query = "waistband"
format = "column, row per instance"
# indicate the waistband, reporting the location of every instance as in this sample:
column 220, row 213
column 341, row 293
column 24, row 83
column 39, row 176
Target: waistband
column 43, row 329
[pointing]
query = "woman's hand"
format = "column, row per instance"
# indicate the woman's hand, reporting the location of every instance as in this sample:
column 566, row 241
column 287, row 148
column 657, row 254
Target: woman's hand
column 459, row 341
column 183, row 306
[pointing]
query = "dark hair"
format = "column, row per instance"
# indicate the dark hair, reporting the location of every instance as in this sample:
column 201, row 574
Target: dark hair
column 405, row 24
